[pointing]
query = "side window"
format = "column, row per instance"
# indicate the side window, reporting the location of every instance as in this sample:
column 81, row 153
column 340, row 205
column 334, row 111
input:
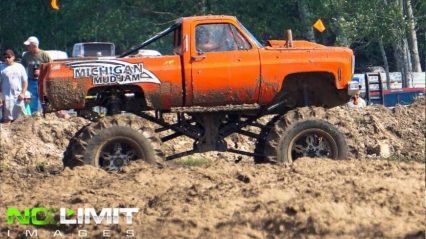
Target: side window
column 241, row 41
column 77, row 51
column 215, row 38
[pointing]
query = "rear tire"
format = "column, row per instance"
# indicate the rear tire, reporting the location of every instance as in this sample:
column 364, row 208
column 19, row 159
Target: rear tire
column 113, row 142
column 300, row 133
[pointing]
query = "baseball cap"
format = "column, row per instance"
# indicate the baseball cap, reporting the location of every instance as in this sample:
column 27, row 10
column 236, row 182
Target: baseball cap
column 31, row 40
column 8, row 52
column 27, row 94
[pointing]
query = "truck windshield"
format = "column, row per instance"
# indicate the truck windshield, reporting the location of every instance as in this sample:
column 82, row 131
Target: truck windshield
column 258, row 44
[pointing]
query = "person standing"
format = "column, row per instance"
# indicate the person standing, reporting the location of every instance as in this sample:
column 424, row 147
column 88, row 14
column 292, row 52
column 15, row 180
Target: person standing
column 1, row 102
column 14, row 83
column 27, row 103
column 356, row 101
column 32, row 60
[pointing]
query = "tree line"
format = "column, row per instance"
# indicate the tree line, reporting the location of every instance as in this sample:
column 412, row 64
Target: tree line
column 388, row 33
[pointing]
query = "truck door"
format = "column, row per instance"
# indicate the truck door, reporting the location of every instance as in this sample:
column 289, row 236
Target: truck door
column 225, row 66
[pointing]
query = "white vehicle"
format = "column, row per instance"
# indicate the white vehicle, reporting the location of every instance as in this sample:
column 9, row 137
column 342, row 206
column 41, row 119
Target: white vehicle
column 148, row 53
column 97, row 49
column 57, row 55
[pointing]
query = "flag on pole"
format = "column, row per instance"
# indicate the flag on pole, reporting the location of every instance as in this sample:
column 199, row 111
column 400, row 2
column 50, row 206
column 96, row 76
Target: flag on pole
column 54, row 5
column 319, row 25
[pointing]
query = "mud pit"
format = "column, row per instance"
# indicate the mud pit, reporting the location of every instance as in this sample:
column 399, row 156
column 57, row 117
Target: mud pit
column 211, row 196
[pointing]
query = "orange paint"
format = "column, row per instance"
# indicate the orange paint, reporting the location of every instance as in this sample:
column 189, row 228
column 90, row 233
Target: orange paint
column 253, row 75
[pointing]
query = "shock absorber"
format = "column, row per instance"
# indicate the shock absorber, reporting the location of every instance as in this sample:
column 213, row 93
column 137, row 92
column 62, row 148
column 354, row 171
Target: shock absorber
column 114, row 103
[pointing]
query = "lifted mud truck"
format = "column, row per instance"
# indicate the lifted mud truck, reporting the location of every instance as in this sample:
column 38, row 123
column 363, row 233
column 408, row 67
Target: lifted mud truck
column 218, row 79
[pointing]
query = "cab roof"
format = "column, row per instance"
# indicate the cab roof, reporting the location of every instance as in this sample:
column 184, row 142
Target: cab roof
column 206, row 17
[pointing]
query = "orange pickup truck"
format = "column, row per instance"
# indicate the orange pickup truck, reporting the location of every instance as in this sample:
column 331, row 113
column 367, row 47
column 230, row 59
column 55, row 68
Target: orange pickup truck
column 218, row 79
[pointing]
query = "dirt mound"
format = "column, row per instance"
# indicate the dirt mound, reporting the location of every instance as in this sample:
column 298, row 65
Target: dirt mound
column 374, row 132
column 37, row 141
column 380, row 132
column 357, row 198
column 210, row 196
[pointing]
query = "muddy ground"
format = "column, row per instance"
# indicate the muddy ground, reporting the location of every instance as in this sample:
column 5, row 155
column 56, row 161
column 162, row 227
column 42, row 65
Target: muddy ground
column 378, row 192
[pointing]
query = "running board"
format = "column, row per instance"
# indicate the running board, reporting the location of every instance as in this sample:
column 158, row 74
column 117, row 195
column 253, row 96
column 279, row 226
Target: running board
column 226, row 108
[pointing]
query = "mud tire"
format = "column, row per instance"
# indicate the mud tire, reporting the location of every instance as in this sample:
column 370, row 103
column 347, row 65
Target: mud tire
column 128, row 131
column 278, row 138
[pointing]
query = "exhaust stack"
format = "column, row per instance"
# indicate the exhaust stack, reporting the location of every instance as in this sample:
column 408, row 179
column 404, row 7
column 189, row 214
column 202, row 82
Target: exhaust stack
column 288, row 38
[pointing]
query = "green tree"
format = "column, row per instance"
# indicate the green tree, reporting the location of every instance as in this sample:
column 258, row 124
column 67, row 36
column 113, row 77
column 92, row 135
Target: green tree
column 371, row 27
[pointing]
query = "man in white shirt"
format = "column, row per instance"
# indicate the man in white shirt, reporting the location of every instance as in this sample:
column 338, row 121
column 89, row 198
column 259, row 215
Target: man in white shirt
column 14, row 83
column 356, row 101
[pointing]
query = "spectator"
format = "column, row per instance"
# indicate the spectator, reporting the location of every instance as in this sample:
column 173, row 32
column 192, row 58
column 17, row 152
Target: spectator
column 356, row 101
column 27, row 102
column 32, row 61
column 1, row 103
column 14, row 84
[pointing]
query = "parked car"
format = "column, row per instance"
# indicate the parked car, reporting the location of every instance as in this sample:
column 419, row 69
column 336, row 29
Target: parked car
column 57, row 55
column 85, row 49
column 148, row 53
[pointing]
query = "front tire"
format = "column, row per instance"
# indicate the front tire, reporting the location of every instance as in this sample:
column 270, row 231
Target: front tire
column 311, row 138
column 113, row 142
column 301, row 133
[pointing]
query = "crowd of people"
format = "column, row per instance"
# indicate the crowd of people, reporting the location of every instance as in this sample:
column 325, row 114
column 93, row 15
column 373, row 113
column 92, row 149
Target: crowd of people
column 19, row 81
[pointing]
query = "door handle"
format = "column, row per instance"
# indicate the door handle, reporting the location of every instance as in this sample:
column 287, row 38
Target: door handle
column 198, row 58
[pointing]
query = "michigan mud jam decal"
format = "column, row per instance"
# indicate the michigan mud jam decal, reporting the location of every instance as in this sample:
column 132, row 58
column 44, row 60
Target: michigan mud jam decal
column 112, row 72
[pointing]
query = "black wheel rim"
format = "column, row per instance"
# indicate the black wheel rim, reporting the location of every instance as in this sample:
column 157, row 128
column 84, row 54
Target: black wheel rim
column 313, row 143
column 117, row 153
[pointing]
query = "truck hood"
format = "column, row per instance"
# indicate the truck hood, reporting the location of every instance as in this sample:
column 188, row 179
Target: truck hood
column 305, row 45
column 296, row 44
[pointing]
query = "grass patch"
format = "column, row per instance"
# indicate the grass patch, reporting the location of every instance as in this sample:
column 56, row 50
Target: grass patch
column 400, row 158
column 191, row 161
column 393, row 157
column 41, row 167
column 3, row 166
